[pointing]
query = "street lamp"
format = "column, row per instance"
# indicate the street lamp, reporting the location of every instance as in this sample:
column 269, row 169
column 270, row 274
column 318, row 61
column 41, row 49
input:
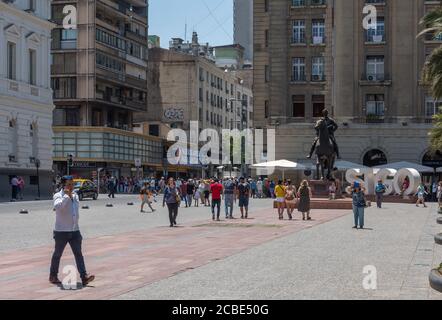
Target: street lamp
column 37, row 166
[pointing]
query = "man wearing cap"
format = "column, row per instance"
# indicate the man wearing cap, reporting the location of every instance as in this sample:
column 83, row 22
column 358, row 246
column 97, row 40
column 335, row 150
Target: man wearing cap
column 66, row 205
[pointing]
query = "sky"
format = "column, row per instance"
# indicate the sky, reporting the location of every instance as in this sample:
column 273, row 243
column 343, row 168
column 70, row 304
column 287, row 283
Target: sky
column 212, row 19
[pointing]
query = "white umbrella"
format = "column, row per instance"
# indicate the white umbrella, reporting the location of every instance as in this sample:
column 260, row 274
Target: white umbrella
column 281, row 165
column 406, row 165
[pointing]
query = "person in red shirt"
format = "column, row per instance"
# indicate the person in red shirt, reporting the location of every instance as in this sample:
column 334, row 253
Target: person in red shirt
column 216, row 188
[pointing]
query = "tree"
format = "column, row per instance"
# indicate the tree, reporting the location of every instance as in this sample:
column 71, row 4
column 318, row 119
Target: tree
column 432, row 72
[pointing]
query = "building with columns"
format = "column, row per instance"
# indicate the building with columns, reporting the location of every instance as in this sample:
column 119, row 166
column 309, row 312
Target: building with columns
column 316, row 54
column 25, row 96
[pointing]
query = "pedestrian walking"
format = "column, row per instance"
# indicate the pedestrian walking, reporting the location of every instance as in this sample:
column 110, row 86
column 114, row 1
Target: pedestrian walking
column 421, row 193
column 243, row 197
column 304, row 195
column 197, row 197
column 272, row 189
column 216, row 189
column 439, row 195
column 229, row 195
column 259, row 188
column 190, row 192
column 21, row 187
column 67, row 230
column 359, row 204
column 14, row 188
column 172, row 198
column 207, row 193
column 201, row 191
column 290, row 199
column 380, row 190
column 111, row 186
column 183, row 191
column 280, row 199
column 146, row 196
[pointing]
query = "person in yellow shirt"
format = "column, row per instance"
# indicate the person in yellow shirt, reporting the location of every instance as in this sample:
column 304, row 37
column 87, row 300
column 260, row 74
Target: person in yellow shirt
column 280, row 199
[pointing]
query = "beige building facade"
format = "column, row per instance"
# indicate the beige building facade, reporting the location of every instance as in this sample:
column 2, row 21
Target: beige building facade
column 184, row 88
column 310, row 55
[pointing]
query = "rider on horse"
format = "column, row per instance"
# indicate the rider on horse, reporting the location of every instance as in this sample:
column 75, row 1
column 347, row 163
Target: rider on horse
column 332, row 127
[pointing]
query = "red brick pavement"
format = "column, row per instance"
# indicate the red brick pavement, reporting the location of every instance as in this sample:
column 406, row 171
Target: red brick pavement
column 128, row 261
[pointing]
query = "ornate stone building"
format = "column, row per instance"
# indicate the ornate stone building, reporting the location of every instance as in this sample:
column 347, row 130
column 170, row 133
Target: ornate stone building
column 316, row 54
column 25, row 95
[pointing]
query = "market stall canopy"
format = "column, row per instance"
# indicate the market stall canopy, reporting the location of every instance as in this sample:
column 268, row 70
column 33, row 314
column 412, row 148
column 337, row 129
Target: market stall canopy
column 281, row 165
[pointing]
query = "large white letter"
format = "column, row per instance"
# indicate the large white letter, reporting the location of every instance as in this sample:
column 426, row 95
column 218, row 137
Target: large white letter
column 177, row 153
column 212, row 145
column 70, row 20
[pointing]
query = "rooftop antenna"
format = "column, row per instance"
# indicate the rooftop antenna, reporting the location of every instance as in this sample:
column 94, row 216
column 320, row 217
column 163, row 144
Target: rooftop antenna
column 185, row 30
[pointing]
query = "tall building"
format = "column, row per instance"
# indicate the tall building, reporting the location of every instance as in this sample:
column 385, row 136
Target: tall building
column 185, row 87
column 99, row 78
column 25, row 96
column 316, row 54
column 243, row 26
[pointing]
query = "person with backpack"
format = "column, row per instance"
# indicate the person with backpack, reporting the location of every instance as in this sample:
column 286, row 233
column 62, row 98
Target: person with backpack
column 243, row 197
column 380, row 190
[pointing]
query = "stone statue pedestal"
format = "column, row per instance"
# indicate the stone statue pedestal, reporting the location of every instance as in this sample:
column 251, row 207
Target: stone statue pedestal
column 319, row 188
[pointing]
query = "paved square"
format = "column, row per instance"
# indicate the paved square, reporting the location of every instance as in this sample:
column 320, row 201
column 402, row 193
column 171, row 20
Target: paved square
column 135, row 256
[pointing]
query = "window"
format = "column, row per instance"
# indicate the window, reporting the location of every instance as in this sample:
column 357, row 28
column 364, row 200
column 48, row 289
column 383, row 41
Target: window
column 375, row 68
column 318, row 69
column 298, row 106
column 267, row 73
column 34, row 140
column 12, row 61
column 318, row 105
column 375, row 105
column 432, row 107
column 64, row 87
column 318, row 31
column 377, row 34
column 13, row 140
column 266, row 109
column 298, row 69
column 298, row 31
column 32, row 67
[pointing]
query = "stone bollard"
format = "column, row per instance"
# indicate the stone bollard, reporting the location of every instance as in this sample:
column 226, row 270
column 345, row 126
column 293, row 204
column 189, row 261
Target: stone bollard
column 24, row 211
column 130, row 203
column 435, row 279
column 109, row 205
column 438, row 238
column 85, row 207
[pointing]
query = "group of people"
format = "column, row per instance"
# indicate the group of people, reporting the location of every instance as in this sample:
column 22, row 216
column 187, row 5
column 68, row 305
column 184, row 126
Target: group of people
column 288, row 197
column 17, row 188
column 193, row 191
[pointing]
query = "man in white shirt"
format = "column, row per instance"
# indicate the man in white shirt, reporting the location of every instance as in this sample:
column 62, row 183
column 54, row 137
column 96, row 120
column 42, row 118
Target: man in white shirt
column 14, row 186
column 66, row 204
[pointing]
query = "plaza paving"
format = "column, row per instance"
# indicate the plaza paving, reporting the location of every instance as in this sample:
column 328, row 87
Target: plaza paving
column 136, row 256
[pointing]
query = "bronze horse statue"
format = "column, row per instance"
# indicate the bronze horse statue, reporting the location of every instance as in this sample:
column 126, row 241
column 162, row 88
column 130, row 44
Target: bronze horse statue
column 325, row 151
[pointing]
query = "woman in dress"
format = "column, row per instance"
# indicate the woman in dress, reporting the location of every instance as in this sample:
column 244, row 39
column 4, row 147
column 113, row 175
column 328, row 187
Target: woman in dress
column 290, row 199
column 304, row 195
